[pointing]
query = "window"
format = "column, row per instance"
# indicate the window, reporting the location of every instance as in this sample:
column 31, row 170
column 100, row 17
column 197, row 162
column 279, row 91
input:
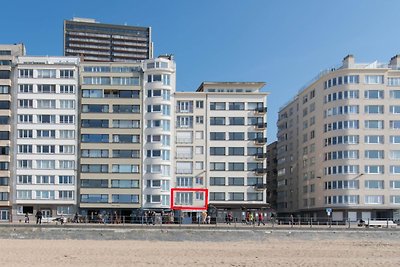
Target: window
column 45, row 149
column 395, row 124
column 45, row 103
column 46, row 88
column 46, row 73
column 126, row 108
column 126, row 124
column 374, row 154
column 217, row 166
column 217, row 151
column 374, row 94
column 395, row 139
column 217, row 106
column 126, row 138
column 97, row 80
column 67, row 89
column 255, row 196
column 93, row 108
column 217, row 121
column 234, row 196
column 199, row 119
column 236, row 151
column 25, row 133
column 46, row 118
column 69, row 134
column 67, row 104
column 374, row 199
column 373, row 79
column 66, row 179
column 45, row 133
column 25, row 118
column 24, row 149
column 94, row 138
column 395, row 169
column 252, row 181
column 94, row 198
column 125, row 183
column 94, row 183
column 217, row 196
column 25, row 88
column 94, row 123
column 236, row 136
column 395, row 184
column 217, row 136
column 374, row 169
column 394, row 154
column 68, row 194
column 66, row 74
column 24, row 179
column 24, row 194
column 236, row 166
column 93, row 93
column 395, row 81
column 125, row 198
column 236, row 181
column 45, row 164
column 94, row 153
column 236, row 105
column 125, row 168
column 25, row 73
column 373, row 184
column 94, row 168
column 199, row 104
column 395, row 199
column 45, row 179
column 25, row 103
column 236, row 121
column 66, row 164
column 374, row 139
column 374, row 109
column 217, row 181
column 374, row 124
column 67, row 119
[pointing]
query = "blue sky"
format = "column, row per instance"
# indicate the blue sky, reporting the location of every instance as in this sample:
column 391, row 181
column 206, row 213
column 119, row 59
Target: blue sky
column 283, row 43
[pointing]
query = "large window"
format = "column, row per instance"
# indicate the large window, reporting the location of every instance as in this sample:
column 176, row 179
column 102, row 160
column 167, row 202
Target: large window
column 217, row 136
column 236, row 151
column 217, row 121
column 217, row 151
column 374, row 184
column 374, row 199
column 125, row 198
column 374, row 139
column 374, row 124
column 374, row 169
column 217, row 166
column 374, row 154
column 374, row 109
column 236, row 166
column 217, row 105
column 94, row 198
column 234, row 196
column 236, row 181
column 94, row 138
column 236, row 121
column 217, row 196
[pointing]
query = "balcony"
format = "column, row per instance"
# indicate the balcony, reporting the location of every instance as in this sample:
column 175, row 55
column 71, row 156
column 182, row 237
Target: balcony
column 260, row 126
column 260, row 110
column 260, row 171
column 260, row 186
column 260, row 141
column 260, row 156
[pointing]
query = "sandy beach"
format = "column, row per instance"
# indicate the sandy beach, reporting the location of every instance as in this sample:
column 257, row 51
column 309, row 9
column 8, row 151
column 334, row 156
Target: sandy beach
column 166, row 253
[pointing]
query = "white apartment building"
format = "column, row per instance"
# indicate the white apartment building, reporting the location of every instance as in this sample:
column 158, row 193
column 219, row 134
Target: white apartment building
column 159, row 83
column 221, row 143
column 8, row 54
column 45, row 134
column 339, row 144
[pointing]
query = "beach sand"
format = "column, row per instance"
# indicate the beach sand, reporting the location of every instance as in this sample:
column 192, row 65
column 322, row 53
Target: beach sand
column 166, row 253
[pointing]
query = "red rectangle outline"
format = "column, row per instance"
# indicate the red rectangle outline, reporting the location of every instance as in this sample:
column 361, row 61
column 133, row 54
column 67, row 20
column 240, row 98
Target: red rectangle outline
column 205, row 190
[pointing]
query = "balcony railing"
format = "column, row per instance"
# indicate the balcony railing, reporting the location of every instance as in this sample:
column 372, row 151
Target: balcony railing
column 260, row 171
column 260, row 141
column 260, row 186
column 260, row 126
column 260, row 110
column 260, row 156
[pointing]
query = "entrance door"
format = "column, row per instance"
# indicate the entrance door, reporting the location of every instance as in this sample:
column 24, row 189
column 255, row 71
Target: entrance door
column 46, row 213
column 4, row 215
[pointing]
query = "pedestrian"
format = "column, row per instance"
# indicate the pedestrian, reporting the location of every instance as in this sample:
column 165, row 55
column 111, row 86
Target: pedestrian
column 39, row 217
column 203, row 217
column 208, row 219
column 76, row 217
column 291, row 219
column 260, row 218
column 251, row 218
column 26, row 217
column 230, row 217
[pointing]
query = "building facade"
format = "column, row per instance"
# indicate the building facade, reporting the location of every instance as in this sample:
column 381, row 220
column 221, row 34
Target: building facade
column 221, row 144
column 338, row 144
column 8, row 54
column 45, row 134
column 272, row 172
column 94, row 41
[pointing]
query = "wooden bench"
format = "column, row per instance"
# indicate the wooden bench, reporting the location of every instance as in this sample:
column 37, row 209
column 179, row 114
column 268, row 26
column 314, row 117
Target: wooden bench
column 380, row 223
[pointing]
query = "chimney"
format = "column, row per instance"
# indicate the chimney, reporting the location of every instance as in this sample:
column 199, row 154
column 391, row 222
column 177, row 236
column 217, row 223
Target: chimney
column 395, row 62
column 348, row 61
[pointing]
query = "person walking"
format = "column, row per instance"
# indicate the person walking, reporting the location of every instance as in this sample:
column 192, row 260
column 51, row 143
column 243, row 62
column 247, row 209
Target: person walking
column 26, row 217
column 260, row 218
column 39, row 217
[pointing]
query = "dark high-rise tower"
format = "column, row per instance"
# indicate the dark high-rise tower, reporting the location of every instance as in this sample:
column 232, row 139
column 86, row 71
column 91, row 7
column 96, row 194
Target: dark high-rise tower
column 94, row 41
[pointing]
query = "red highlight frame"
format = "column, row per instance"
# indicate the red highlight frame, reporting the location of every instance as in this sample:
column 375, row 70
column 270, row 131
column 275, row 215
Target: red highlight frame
column 204, row 190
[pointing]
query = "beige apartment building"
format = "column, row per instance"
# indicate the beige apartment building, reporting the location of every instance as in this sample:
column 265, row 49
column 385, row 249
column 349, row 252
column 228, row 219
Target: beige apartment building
column 110, row 138
column 339, row 144
column 8, row 54
column 221, row 144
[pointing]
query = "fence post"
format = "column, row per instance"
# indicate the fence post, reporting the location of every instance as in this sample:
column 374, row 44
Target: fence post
column 348, row 222
column 387, row 222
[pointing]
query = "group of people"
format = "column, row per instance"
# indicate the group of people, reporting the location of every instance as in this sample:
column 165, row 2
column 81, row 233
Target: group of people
column 253, row 217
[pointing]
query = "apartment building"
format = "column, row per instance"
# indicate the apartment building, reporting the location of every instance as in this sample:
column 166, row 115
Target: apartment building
column 8, row 54
column 159, row 82
column 94, row 41
column 338, row 144
column 221, row 143
column 272, row 171
column 45, row 102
